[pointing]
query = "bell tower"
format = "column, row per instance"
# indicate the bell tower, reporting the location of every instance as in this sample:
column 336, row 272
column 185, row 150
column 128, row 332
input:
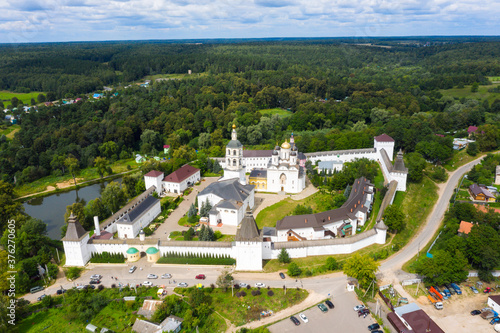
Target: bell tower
column 234, row 159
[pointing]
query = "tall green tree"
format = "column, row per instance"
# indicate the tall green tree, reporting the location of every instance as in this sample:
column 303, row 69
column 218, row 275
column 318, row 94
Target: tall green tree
column 362, row 268
column 394, row 218
column 73, row 166
column 113, row 197
column 101, row 164
column 443, row 267
column 284, row 257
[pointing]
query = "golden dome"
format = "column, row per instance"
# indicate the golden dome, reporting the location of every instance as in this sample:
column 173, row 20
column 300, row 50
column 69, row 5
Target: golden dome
column 285, row 145
column 234, row 126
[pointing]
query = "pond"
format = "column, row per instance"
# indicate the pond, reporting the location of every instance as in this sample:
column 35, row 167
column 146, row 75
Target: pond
column 51, row 209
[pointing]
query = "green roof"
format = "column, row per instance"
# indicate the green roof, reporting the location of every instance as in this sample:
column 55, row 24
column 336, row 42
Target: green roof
column 152, row 250
column 132, row 250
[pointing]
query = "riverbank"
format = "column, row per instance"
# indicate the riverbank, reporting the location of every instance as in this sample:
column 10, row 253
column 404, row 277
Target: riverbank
column 60, row 184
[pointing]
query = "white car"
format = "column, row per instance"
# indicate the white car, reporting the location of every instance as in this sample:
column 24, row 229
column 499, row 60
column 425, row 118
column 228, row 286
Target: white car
column 182, row 284
column 96, row 277
column 260, row 285
column 304, row 318
column 80, row 287
column 152, row 276
column 359, row 307
column 147, row 283
column 243, row 285
column 166, row 276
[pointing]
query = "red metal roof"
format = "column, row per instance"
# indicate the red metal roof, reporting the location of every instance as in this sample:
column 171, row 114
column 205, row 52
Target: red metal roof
column 384, row 138
column 153, row 173
column 180, row 174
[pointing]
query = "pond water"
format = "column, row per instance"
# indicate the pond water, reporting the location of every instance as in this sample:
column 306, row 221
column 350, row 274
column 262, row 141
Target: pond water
column 51, row 209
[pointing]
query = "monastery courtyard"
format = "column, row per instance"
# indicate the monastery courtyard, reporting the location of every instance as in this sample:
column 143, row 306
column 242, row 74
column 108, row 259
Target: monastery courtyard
column 262, row 200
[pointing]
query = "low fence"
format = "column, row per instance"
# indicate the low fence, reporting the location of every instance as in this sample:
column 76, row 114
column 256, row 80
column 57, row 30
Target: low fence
column 386, row 300
column 475, row 273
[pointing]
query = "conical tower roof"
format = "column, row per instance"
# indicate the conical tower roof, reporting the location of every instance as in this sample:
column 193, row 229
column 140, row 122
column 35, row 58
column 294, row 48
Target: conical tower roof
column 248, row 230
column 75, row 231
column 381, row 225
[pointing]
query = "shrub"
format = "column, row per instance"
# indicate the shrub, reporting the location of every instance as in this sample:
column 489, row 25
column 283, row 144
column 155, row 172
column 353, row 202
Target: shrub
column 256, row 292
column 284, row 257
column 213, row 286
column 107, row 257
column 73, row 272
column 100, row 287
column 236, row 286
column 308, row 272
column 331, row 264
column 113, row 285
column 294, row 270
column 248, row 286
column 270, row 293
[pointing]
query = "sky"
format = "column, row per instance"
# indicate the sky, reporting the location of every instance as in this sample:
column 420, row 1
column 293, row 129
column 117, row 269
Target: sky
column 26, row 21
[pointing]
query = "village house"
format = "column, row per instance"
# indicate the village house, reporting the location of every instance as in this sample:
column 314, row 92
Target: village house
column 481, row 193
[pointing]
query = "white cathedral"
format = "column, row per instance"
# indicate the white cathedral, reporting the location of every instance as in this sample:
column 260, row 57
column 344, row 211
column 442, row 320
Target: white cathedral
column 277, row 171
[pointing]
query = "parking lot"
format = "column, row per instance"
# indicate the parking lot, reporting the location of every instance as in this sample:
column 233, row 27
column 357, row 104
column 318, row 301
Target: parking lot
column 340, row 319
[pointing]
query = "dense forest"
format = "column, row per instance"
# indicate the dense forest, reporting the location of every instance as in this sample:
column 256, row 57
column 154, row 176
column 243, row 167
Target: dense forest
column 336, row 95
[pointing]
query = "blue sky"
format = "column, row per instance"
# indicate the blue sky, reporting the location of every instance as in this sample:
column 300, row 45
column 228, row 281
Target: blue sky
column 91, row 20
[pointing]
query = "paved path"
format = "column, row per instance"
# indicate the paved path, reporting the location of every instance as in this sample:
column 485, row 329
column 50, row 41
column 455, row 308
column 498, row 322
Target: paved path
column 171, row 222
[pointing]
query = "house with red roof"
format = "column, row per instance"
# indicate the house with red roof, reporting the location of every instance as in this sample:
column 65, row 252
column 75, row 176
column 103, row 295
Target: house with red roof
column 465, row 227
column 180, row 179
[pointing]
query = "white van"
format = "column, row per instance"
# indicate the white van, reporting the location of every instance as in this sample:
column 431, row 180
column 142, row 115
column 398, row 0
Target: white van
column 132, row 269
column 438, row 305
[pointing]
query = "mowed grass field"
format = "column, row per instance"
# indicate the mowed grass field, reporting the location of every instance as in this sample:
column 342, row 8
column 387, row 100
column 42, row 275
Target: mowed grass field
column 482, row 93
column 6, row 97
column 278, row 111
column 10, row 131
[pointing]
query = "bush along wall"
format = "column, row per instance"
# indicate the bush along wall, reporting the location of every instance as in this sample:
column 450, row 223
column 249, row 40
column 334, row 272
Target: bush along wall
column 106, row 257
column 196, row 259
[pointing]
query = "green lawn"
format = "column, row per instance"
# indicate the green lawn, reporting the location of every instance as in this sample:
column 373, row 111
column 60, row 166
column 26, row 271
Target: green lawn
column 417, row 205
column 117, row 316
column 482, row 93
column 10, row 131
column 460, row 158
column 6, row 96
column 280, row 112
column 494, row 78
column 88, row 174
column 51, row 321
column 270, row 215
column 236, row 310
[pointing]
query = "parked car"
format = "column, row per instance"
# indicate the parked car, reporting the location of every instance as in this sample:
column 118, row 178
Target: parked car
column 182, row 285
column 295, row 321
column 474, row 290
column 282, row 275
column 359, row 307
column 475, row 312
column 152, row 276
column 60, row 291
column 243, row 285
column 80, row 287
column 363, row 312
column 200, row 277
column 132, row 269
column 260, row 285
column 36, row 289
column 450, row 289
column 41, row 297
column 457, row 288
column 147, row 283
column 96, row 277
column 494, row 320
column 330, row 304
column 487, row 290
column 304, row 318
column 95, row 281
column 373, row 327
column 447, row 292
column 166, row 276
column 89, row 286
column 322, row 307
column 378, row 331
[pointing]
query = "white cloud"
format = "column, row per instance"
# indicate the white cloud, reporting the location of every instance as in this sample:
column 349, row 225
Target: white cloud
column 61, row 20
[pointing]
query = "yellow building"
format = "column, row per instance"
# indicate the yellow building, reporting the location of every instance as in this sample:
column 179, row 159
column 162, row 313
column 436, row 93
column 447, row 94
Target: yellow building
column 258, row 178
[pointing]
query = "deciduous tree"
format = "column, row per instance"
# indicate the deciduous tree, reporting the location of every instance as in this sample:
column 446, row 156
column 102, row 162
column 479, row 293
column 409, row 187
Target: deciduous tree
column 362, row 268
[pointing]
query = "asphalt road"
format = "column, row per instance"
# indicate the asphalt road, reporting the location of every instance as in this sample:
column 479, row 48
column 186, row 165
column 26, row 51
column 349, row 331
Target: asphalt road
column 425, row 235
